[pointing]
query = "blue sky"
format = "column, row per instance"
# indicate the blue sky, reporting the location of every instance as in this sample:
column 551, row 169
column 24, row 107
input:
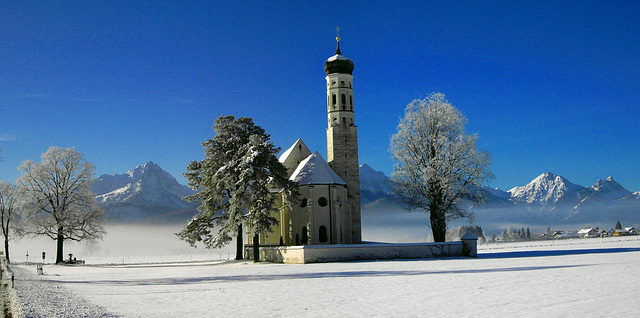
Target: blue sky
column 548, row 85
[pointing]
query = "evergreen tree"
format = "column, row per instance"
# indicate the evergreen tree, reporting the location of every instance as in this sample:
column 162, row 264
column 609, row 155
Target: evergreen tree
column 528, row 233
column 618, row 225
column 233, row 183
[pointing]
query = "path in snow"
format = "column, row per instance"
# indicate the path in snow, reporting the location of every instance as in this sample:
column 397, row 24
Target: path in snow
column 40, row 297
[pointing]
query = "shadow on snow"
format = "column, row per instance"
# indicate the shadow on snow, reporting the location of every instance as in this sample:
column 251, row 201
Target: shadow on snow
column 521, row 254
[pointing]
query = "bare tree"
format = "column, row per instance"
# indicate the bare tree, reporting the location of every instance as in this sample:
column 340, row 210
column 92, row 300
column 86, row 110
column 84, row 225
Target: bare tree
column 438, row 165
column 58, row 201
column 8, row 210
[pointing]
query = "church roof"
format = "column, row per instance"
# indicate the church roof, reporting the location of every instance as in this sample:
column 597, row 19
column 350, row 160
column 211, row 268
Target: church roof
column 292, row 157
column 315, row 170
column 338, row 63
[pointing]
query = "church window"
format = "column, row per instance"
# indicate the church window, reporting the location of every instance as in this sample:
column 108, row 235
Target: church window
column 322, row 202
column 303, row 203
column 305, row 236
column 344, row 99
column 351, row 101
column 322, row 234
column 334, row 99
column 341, row 83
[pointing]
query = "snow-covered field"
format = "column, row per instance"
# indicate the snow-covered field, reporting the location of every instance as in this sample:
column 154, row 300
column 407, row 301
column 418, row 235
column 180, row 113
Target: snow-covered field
column 569, row 278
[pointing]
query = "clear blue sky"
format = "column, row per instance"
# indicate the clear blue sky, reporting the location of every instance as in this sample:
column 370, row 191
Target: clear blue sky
column 548, row 85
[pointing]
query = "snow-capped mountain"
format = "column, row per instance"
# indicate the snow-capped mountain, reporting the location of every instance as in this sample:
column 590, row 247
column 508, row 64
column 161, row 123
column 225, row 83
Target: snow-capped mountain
column 549, row 188
column 547, row 199
column 146, row 193
column 374, row 185
column 609, row 189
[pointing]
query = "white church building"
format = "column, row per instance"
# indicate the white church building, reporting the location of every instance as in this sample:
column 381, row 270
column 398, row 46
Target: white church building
column 328, row 211
column 325, row 224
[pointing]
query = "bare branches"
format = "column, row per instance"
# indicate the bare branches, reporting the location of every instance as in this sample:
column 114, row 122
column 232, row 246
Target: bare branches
column 57, row 197
column 438, row 164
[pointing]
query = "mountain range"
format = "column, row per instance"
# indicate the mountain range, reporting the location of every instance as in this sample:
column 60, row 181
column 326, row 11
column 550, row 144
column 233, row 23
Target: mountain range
column 151, row 195
column 547, row 200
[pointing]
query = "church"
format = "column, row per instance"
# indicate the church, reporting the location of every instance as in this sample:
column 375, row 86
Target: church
column 328, row 209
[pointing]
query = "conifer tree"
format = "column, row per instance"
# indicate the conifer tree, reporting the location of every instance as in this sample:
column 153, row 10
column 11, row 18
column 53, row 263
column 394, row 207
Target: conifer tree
column 233, row 185
column 618, row 225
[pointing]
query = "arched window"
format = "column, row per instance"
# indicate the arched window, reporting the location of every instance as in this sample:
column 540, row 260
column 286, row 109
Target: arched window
column 333, row 99
column 351, row 101
column 303, row 203
column 344, row 99
column 305, row 236
column 322, row 201
column 322, row 234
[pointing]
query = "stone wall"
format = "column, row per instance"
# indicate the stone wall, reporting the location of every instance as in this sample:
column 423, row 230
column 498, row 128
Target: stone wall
column 368, row 251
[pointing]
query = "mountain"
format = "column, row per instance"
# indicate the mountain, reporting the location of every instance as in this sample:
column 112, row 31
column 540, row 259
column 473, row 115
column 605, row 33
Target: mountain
column 547, row 200
column 144, row 194
column 374, row 185
column 549, row 188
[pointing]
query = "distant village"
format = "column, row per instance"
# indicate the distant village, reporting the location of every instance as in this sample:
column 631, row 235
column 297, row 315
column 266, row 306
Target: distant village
column 511, row 235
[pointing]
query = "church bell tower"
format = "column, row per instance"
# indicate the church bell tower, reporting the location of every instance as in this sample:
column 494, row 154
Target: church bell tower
column 342, row 132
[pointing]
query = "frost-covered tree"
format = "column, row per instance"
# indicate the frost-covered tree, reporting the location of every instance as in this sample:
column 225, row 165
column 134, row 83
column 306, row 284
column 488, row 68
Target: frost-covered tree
column 57, row 200
column 233, row 184
column 438, row 165
column 8, row 211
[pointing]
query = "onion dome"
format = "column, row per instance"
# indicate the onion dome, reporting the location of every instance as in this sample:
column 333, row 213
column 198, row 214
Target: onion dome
column 338, row 63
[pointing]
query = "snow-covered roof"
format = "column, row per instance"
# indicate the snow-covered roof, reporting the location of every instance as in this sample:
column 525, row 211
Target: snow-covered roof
column 287, row 153
column 315, row 170
column 292, row 157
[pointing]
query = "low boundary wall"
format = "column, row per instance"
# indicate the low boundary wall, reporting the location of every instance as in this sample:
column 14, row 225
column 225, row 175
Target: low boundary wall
column 366, row 251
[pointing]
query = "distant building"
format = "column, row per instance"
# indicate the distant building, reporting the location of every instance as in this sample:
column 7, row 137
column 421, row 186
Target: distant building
column 620, row 232
column 590, row 232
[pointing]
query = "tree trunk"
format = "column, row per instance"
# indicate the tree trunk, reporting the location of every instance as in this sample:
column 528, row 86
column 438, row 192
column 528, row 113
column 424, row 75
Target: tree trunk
column 6, row 248
column 59, row 250
column 438, row 224
column 256, row 248
column 239, row 245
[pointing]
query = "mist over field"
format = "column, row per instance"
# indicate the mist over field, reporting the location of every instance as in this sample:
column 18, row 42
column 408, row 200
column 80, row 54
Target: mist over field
column 154, row 243
column 122, row 244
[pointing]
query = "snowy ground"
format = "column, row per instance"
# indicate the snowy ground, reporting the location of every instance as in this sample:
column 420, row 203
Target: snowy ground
column 536, row 279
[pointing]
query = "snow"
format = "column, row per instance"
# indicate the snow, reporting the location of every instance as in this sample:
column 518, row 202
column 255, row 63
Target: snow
column 315, row 170
column 336, row 57
column 532, row 279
